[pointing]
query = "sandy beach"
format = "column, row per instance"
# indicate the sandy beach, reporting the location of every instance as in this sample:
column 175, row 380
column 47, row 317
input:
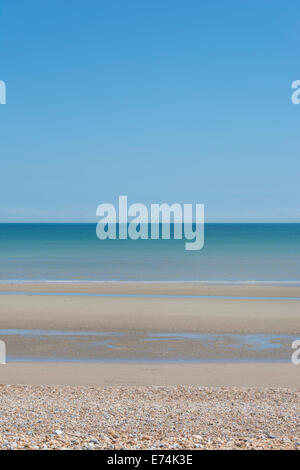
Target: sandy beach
column 152, row 373
column 113, row 313
column 149, row 321
column 202, row 405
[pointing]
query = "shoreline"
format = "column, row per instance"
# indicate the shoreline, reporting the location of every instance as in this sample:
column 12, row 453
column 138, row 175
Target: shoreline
column 160, row 288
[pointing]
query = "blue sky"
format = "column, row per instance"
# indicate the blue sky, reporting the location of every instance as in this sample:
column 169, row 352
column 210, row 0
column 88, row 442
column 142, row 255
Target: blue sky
column 162, row 101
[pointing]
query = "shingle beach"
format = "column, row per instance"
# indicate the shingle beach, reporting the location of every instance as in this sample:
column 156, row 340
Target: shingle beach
column 182, row 417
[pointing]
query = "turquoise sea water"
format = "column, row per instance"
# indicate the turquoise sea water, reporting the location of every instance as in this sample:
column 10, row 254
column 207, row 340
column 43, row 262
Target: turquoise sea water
column 231, row 253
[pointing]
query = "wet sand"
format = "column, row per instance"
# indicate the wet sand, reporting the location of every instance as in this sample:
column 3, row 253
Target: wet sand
column 140, row 316
column 66, row 345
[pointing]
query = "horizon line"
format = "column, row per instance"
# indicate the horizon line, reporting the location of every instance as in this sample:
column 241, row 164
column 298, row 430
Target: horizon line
column 117, row 223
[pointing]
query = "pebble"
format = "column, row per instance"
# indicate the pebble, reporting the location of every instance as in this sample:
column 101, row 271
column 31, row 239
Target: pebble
column 185, row 417
column 94, row 441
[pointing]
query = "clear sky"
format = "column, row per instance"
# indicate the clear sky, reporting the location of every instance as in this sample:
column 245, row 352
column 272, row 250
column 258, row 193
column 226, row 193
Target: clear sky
column 160, row 100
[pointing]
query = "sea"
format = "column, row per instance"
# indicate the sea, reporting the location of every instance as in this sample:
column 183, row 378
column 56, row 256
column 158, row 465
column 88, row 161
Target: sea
column 232, row 253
